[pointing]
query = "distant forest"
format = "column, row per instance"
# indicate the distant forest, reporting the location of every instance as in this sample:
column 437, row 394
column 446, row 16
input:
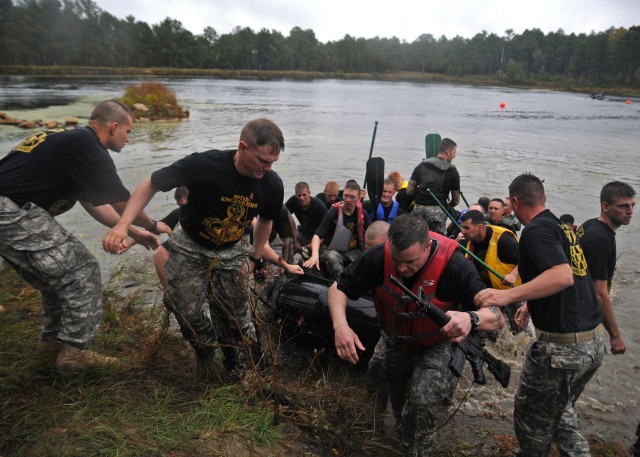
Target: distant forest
column 79, row 33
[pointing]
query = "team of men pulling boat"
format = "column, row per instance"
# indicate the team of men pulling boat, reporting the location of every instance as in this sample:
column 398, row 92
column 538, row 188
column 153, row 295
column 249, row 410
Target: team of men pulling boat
column 432, row 292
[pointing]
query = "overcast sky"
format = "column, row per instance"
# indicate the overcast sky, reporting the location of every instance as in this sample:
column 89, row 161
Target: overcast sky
column 406, row 19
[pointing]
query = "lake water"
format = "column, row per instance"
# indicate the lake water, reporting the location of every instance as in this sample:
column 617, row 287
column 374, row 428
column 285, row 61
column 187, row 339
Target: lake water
column 576, row 144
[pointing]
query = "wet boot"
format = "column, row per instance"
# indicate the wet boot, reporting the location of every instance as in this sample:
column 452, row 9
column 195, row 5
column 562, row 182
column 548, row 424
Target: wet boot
column 48, row 346
column 73, row 359
column 209, row 368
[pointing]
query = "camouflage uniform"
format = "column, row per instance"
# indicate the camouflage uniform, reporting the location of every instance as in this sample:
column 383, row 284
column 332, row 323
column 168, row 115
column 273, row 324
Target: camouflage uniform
column 335, row 261
column 435, row 217
column 553, row 377
column 377, row 386
column 59, row 265
column 421, row 386
column 207, row 292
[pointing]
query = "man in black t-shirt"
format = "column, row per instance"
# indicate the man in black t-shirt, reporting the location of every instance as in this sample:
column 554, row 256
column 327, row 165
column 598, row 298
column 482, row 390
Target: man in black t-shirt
column 210, row 250
column 343, row 228
column 309, row 211
column 42, row 177
column 564, row 309
column 332, row 194
column 417, row 352
column 598, row 240
column 431, row 182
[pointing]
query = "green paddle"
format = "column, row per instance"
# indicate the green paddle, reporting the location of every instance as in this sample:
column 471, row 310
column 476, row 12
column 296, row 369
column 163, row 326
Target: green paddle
column 431, row 144
column 460, row 244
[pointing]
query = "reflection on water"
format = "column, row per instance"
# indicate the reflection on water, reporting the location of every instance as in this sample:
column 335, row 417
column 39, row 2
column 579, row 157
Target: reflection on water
column 574, row 143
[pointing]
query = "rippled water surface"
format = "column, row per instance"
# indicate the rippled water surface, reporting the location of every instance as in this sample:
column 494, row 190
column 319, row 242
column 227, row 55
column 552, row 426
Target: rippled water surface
column 574, row 143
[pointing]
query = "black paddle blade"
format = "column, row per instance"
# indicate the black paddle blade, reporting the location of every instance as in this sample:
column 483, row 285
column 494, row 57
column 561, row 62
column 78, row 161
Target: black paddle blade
column 374, row 181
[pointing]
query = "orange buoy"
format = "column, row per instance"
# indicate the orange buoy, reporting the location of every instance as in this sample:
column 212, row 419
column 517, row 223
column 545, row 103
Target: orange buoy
column 502, row 104
column 628, row 102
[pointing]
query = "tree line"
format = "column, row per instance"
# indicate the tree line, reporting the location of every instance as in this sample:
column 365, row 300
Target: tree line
column 79, row 33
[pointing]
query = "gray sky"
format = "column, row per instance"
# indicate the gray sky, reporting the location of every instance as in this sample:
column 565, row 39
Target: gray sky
column 406, row 19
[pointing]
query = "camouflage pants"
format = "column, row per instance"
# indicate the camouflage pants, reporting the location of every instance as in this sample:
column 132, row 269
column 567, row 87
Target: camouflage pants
column 377, row 386
column 208, row 294
column 552, row 378
column 421, row 387
column 435, row 217
column 335, row 261
column 55, row 262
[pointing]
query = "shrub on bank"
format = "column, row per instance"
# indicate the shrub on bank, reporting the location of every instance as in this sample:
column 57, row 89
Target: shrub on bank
column 153, row 101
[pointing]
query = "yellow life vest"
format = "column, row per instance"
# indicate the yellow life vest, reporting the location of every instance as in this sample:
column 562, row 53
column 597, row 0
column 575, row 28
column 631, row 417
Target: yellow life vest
column 492, row 259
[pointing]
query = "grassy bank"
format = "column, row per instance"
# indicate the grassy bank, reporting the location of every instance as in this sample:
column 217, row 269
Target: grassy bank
column 306, row 403
column 568, row 85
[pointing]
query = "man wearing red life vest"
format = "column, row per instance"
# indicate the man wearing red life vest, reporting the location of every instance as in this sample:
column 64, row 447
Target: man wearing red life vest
column 418, row 352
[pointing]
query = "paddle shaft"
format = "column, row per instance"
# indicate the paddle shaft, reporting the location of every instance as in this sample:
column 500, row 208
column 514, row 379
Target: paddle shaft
column 373, row 140
column 465, row 200
column 498, row 275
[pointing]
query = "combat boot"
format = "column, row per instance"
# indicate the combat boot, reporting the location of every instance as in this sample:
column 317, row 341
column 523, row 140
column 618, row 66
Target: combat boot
column 48, row 346
column 73, row 359
column 210, row 369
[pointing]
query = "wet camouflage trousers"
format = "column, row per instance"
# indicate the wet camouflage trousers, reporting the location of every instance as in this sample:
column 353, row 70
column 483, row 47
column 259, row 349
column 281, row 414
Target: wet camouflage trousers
column 435, row 217
column 57, row 264
column 208, row 294
column 552, row 378
column 420, row 387
column 334, row 262
column 376, row 384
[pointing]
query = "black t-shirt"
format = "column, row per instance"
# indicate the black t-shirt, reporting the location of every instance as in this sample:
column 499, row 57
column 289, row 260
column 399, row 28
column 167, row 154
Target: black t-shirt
column 222, row 202
column 328, row 226
column 309, row 218
column 508, row 252
column 404, row 200
column 459, row 281
column 450, row 181
column 281, row 225
column 598, row 242
column 545, row 243
column 172, row 218
column 55, row 168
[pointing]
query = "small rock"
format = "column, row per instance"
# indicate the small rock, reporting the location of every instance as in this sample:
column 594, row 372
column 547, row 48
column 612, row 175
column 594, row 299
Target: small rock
column 51, row 124
column 2, row 310
column 140, row 107
column 28, row 125
column 71, row 120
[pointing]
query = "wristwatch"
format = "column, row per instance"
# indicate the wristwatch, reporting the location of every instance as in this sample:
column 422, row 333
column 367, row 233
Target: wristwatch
column 475, row 320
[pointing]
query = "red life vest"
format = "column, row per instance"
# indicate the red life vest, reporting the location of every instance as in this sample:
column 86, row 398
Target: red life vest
column 402, row 320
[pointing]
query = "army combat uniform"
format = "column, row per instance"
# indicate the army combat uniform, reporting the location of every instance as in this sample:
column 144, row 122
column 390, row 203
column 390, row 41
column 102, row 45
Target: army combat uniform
column 40, row 178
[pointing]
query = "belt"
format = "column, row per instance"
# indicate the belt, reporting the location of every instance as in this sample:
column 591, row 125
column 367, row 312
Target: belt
column 570, row 338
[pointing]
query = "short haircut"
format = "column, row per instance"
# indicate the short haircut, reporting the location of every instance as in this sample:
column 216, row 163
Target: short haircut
column 330, row 184
column 353, row 185
column 499, row 200
column 567, row 219
column 395, row 175
column 446, row 144
column 484, row 202
column 111, row 111
column 377, row 229
column 474, row 215
column 528, row 189
column 302, row 186
column 614, row 190
column 388, row 182
column 181, row 192
column 407, row 230
column 261, row 132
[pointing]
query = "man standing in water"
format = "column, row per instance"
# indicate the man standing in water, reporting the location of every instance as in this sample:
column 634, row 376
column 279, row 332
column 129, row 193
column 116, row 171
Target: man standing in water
column 564, row 309
column 42, row 177
column 417, row 351
column 431, row 182
column 209, row 250
column 598, row 240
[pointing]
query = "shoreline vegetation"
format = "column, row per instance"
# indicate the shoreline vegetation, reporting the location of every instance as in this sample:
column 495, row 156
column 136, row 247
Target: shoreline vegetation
column 300, row 401
column 565, row 85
